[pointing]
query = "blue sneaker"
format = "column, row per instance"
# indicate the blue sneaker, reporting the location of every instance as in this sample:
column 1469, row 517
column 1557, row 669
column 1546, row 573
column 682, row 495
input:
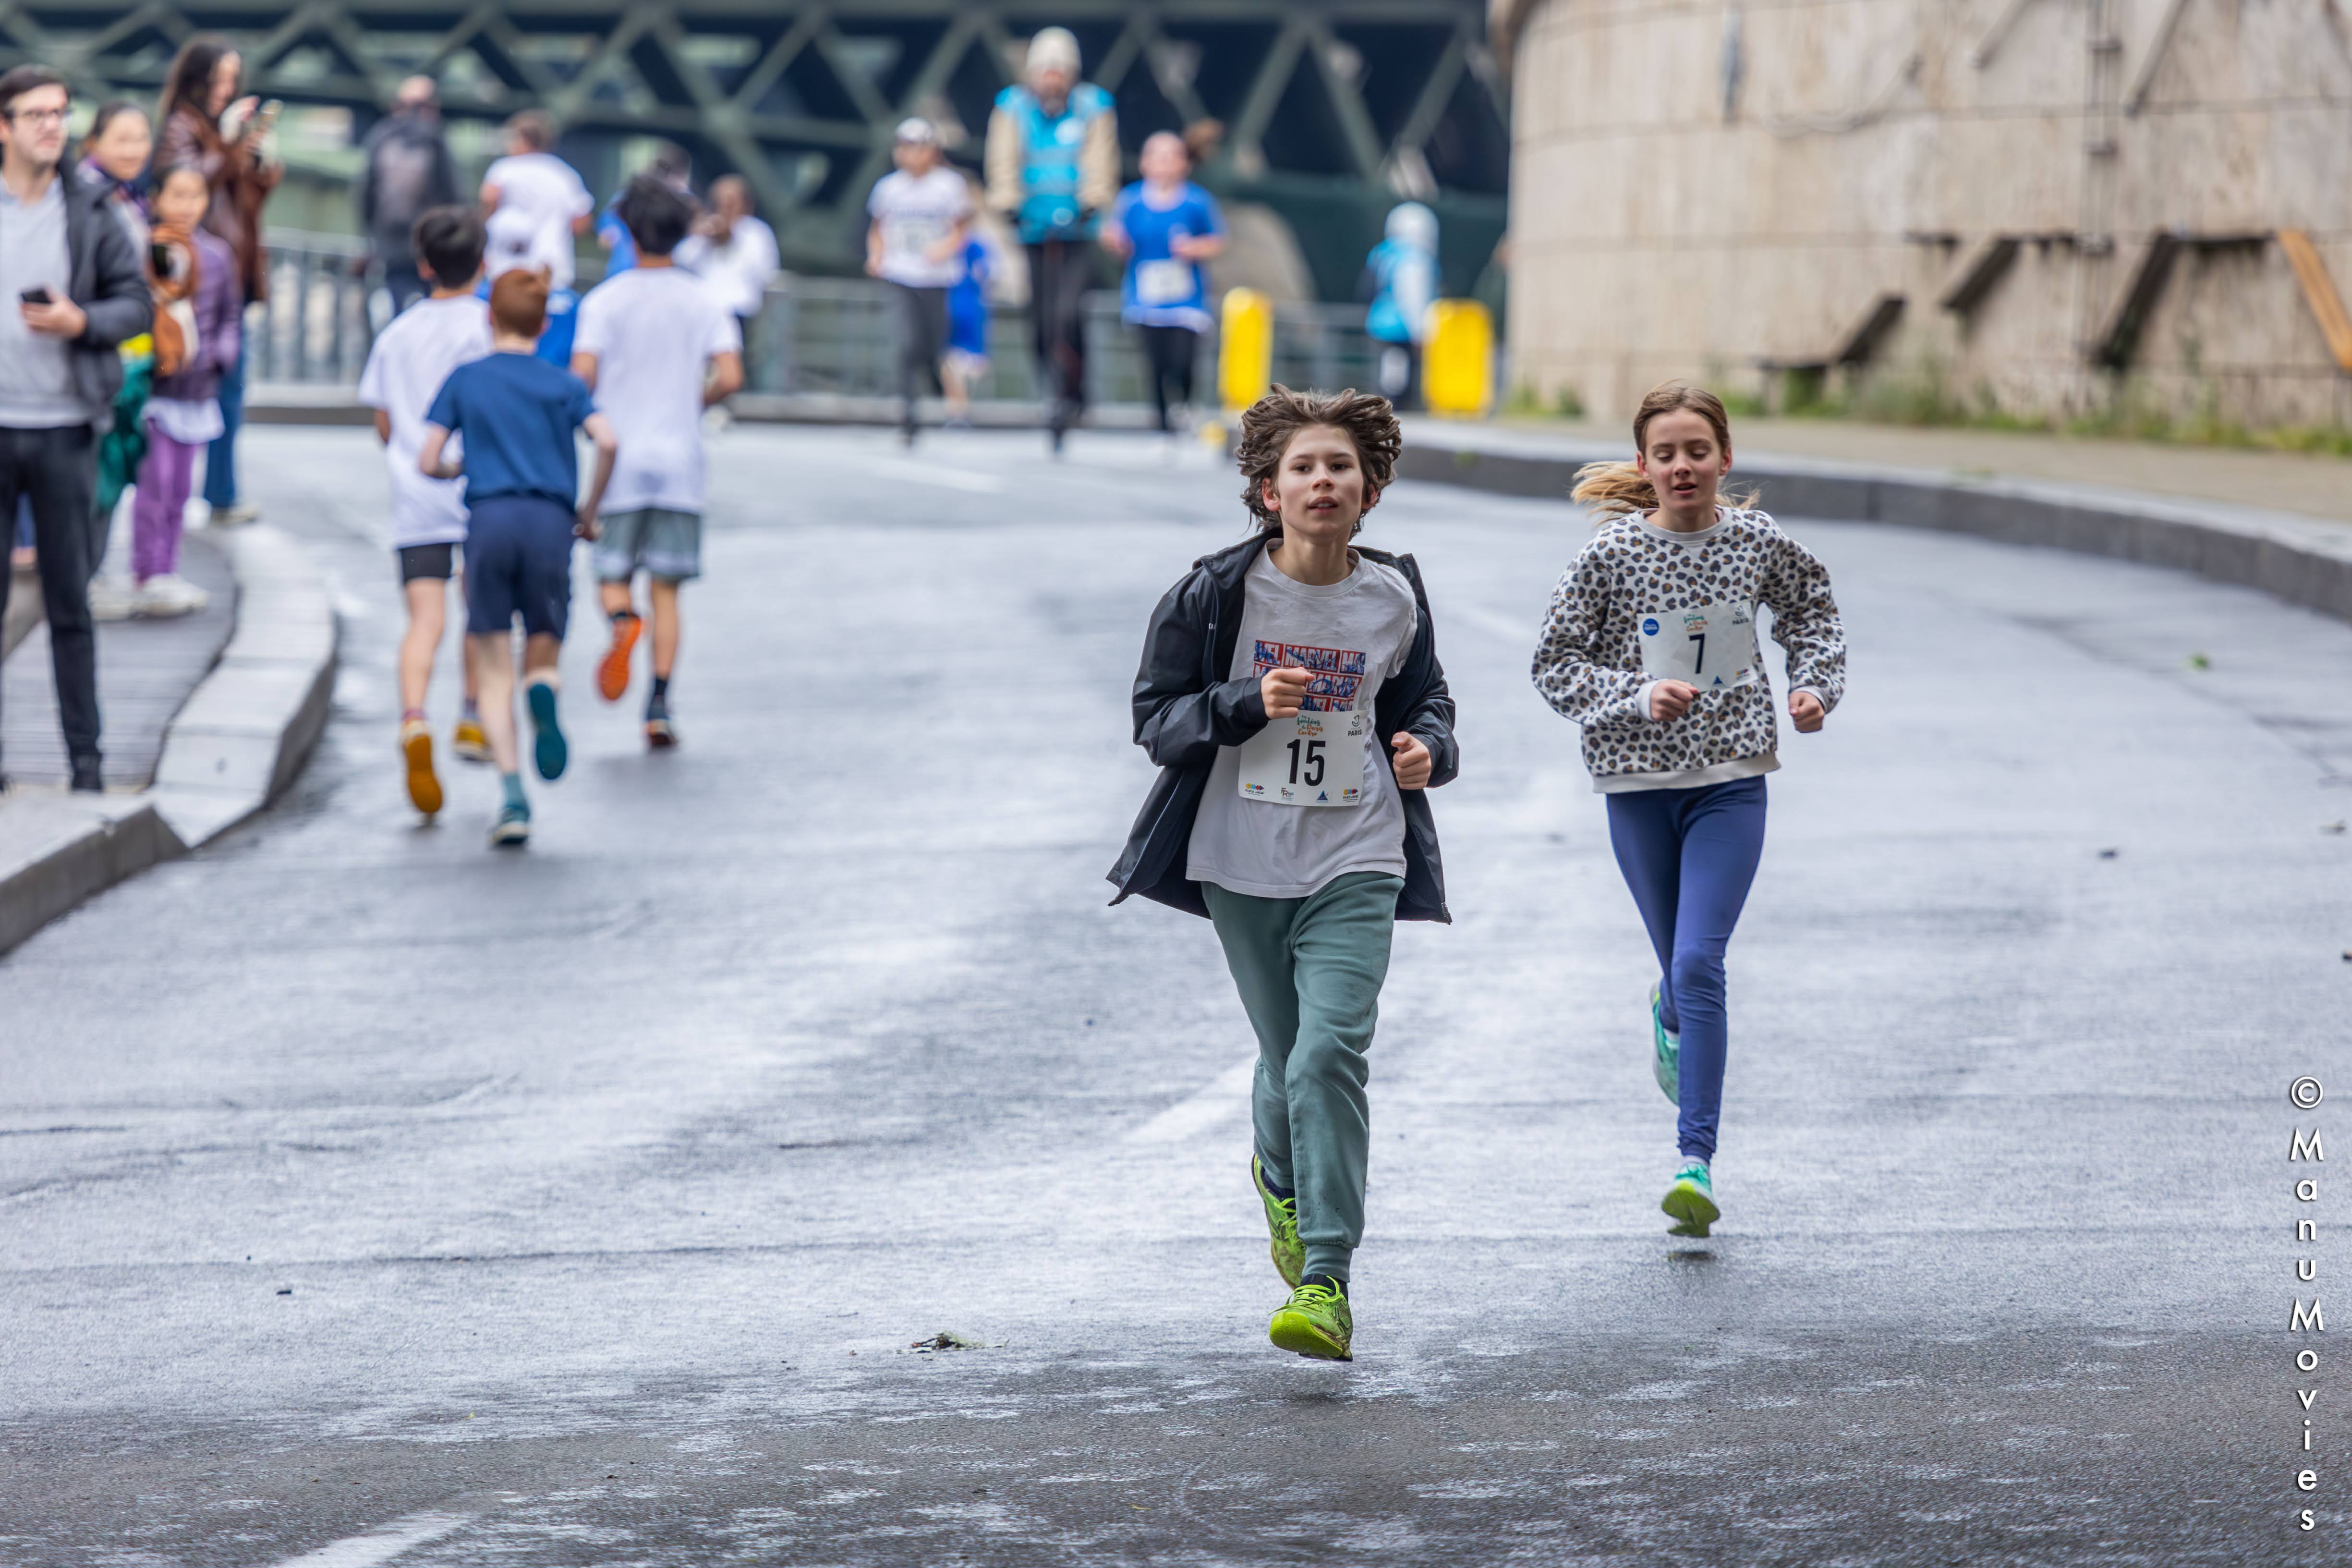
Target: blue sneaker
column 512, row 828
column 548, row 748
column 1666, row 1051
column 1690, row 1202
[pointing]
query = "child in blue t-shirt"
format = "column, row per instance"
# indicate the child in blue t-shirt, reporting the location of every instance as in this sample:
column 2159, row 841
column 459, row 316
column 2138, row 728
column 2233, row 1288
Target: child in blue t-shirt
column 563, row 320
column 1166, row 227
column 515, row 413
column 966, row 360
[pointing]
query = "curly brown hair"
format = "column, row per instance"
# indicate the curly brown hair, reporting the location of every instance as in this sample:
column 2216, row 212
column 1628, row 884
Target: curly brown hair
column 1273, row 420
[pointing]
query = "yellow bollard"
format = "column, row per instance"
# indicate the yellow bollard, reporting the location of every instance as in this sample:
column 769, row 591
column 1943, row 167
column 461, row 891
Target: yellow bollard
column 1244, row 348
column 1457, row 366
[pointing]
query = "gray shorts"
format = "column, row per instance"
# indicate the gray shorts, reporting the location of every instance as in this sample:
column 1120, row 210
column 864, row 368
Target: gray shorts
column 664, row 543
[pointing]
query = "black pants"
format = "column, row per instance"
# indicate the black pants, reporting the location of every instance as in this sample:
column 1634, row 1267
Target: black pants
column 1060, row 272
column 1169, row 354
column 922, row 338
column 56, row 470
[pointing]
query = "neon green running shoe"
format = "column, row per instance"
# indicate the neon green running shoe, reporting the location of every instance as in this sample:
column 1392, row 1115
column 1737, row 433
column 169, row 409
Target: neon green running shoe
column 1691, row 1200
column 1666, row 1059
column 1315, row 1321
column 1282, row 1224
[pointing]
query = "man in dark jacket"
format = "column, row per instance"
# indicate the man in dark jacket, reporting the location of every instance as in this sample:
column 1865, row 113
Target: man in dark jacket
column 409, row 172
column 71, row 289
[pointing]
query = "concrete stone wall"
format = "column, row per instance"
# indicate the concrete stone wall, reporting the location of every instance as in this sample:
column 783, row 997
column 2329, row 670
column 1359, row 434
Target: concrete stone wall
column 1719, row 188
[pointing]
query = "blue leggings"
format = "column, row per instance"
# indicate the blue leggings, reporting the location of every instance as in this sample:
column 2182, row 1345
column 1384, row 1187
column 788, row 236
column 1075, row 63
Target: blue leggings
column 1689, row 855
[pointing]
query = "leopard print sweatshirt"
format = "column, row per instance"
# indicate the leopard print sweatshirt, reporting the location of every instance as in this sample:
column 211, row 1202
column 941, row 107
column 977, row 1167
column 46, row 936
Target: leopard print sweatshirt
column 1589, row 664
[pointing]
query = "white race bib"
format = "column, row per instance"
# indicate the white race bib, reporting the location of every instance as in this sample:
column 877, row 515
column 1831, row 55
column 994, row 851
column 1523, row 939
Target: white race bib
column 1711, row 646
column 1311, row 759
column 1162, row 282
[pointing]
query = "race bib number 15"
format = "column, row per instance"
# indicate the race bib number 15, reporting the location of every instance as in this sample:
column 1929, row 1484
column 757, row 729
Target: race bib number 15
column 1711, row 646
column 1311, row 759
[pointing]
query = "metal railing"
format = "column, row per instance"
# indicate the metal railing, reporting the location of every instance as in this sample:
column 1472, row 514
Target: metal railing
column 314, row 326
column 823, row 335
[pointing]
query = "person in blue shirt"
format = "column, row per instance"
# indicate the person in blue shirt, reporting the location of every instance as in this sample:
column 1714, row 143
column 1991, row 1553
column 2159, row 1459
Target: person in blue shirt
column 1053, row 168
column 1166, row 227
column 515, row 414
column 966, row 360
column 1401, row 276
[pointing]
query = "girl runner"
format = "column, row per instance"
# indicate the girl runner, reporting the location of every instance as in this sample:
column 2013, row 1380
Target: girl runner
column 1651, row 647
column 1291, row 694
column 1165, row 227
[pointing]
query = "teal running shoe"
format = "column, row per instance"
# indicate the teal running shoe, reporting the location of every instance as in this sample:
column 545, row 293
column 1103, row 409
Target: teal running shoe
column 548, row 748
column 1667, row 1057
column 1690, row 1202
column 1315, row 1321
column 1282, row 1224
column 512, row 828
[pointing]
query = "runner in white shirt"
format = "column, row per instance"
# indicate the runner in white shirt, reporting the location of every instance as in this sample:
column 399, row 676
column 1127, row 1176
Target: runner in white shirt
column 657, row 350
column 915, row 245
column 533, row 180
column 405, row 368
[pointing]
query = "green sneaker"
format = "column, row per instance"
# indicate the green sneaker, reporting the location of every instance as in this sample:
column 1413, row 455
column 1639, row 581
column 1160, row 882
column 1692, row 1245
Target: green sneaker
column 1691, row 1200
column 1282, row 1224
column 1315, row 1321
column 1667, row 1059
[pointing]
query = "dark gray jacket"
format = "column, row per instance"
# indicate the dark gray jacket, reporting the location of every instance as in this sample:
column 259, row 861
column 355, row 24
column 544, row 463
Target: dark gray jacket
column 1186, row 707
column 109, row 284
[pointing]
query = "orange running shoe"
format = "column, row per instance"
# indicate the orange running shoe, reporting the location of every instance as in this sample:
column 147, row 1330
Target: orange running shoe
column 613, row 675
column 416, row 750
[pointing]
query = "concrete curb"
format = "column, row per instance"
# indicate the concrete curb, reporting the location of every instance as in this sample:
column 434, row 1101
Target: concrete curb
column 237, row 742
column 2304, row 561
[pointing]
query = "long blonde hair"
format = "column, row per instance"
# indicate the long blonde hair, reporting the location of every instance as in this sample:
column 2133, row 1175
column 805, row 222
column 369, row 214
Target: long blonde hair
column 1615, row 488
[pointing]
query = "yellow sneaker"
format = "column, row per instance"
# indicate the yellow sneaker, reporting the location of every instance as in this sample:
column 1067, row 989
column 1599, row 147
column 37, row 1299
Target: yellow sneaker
column 467, row 743
column 1316, row 1321
column 416, row 748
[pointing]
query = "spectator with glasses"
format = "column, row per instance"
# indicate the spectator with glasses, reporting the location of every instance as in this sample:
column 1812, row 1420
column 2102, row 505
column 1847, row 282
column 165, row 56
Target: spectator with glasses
column 71, row 288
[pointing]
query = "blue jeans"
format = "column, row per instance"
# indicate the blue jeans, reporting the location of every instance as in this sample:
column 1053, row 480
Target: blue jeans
column 1689, row 855
column 220, row 457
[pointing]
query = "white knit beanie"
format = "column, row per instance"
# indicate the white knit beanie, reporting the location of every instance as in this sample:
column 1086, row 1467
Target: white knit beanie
column 1053, row 49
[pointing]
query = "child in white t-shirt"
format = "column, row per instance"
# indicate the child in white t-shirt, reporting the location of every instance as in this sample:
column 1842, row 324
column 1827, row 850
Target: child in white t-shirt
column 657, row 350
column 533, row 180
column 405, row 369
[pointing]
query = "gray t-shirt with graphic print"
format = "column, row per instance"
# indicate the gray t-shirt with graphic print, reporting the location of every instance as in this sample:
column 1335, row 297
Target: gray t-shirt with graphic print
column 1355, row 634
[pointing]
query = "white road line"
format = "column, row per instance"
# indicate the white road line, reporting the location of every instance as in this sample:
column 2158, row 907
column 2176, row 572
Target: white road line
column 382, row 1544
column 972, row 481
column 1203, row 1109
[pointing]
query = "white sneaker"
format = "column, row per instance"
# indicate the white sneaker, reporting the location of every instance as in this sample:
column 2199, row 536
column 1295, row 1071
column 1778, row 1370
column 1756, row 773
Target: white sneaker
column 171, row 595
column 242, row 511
column 111, row 600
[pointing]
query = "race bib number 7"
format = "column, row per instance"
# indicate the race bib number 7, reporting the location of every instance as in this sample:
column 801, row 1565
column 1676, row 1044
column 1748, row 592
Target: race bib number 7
column 1311, row 759
column 1711, row 646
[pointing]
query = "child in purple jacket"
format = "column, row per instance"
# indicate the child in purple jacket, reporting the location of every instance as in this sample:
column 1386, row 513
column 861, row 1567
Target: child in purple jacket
column 183, row 412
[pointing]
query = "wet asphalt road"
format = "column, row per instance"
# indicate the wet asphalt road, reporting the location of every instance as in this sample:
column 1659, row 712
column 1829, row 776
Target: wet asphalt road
column 367, row 1194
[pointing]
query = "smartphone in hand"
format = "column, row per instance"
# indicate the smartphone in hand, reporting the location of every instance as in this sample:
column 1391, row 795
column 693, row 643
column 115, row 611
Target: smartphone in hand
column 38, row 295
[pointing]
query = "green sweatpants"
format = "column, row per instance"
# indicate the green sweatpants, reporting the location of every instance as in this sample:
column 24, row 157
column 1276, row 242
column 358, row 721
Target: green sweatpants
column 1309, row 971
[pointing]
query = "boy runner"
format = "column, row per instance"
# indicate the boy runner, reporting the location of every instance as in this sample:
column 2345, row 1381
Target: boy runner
column 410, row 361
column 1291, row 694
column 921, row 212
column 657, row 350
column 516, row 414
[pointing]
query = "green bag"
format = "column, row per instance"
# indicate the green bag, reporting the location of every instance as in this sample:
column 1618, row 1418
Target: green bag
column 121, row 449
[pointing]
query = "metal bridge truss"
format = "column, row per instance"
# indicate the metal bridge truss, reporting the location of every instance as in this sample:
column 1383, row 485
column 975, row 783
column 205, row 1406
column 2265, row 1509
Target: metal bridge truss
column 1333, row 108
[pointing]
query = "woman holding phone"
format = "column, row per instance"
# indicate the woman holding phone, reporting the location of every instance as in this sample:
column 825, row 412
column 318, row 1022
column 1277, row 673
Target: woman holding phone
column 206, row 126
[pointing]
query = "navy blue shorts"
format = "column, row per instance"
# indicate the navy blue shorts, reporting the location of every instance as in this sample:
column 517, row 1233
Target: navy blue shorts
column 518, row 561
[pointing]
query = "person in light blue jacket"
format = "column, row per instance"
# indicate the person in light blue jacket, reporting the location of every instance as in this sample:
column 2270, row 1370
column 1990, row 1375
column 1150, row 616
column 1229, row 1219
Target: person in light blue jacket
column 1053, row 169
column 1401, row 276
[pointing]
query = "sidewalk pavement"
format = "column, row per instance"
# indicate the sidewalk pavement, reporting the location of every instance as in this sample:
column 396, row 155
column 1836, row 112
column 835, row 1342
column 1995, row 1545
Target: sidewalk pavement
column 207, row 719
column 145, row 670
column 2317, row 486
